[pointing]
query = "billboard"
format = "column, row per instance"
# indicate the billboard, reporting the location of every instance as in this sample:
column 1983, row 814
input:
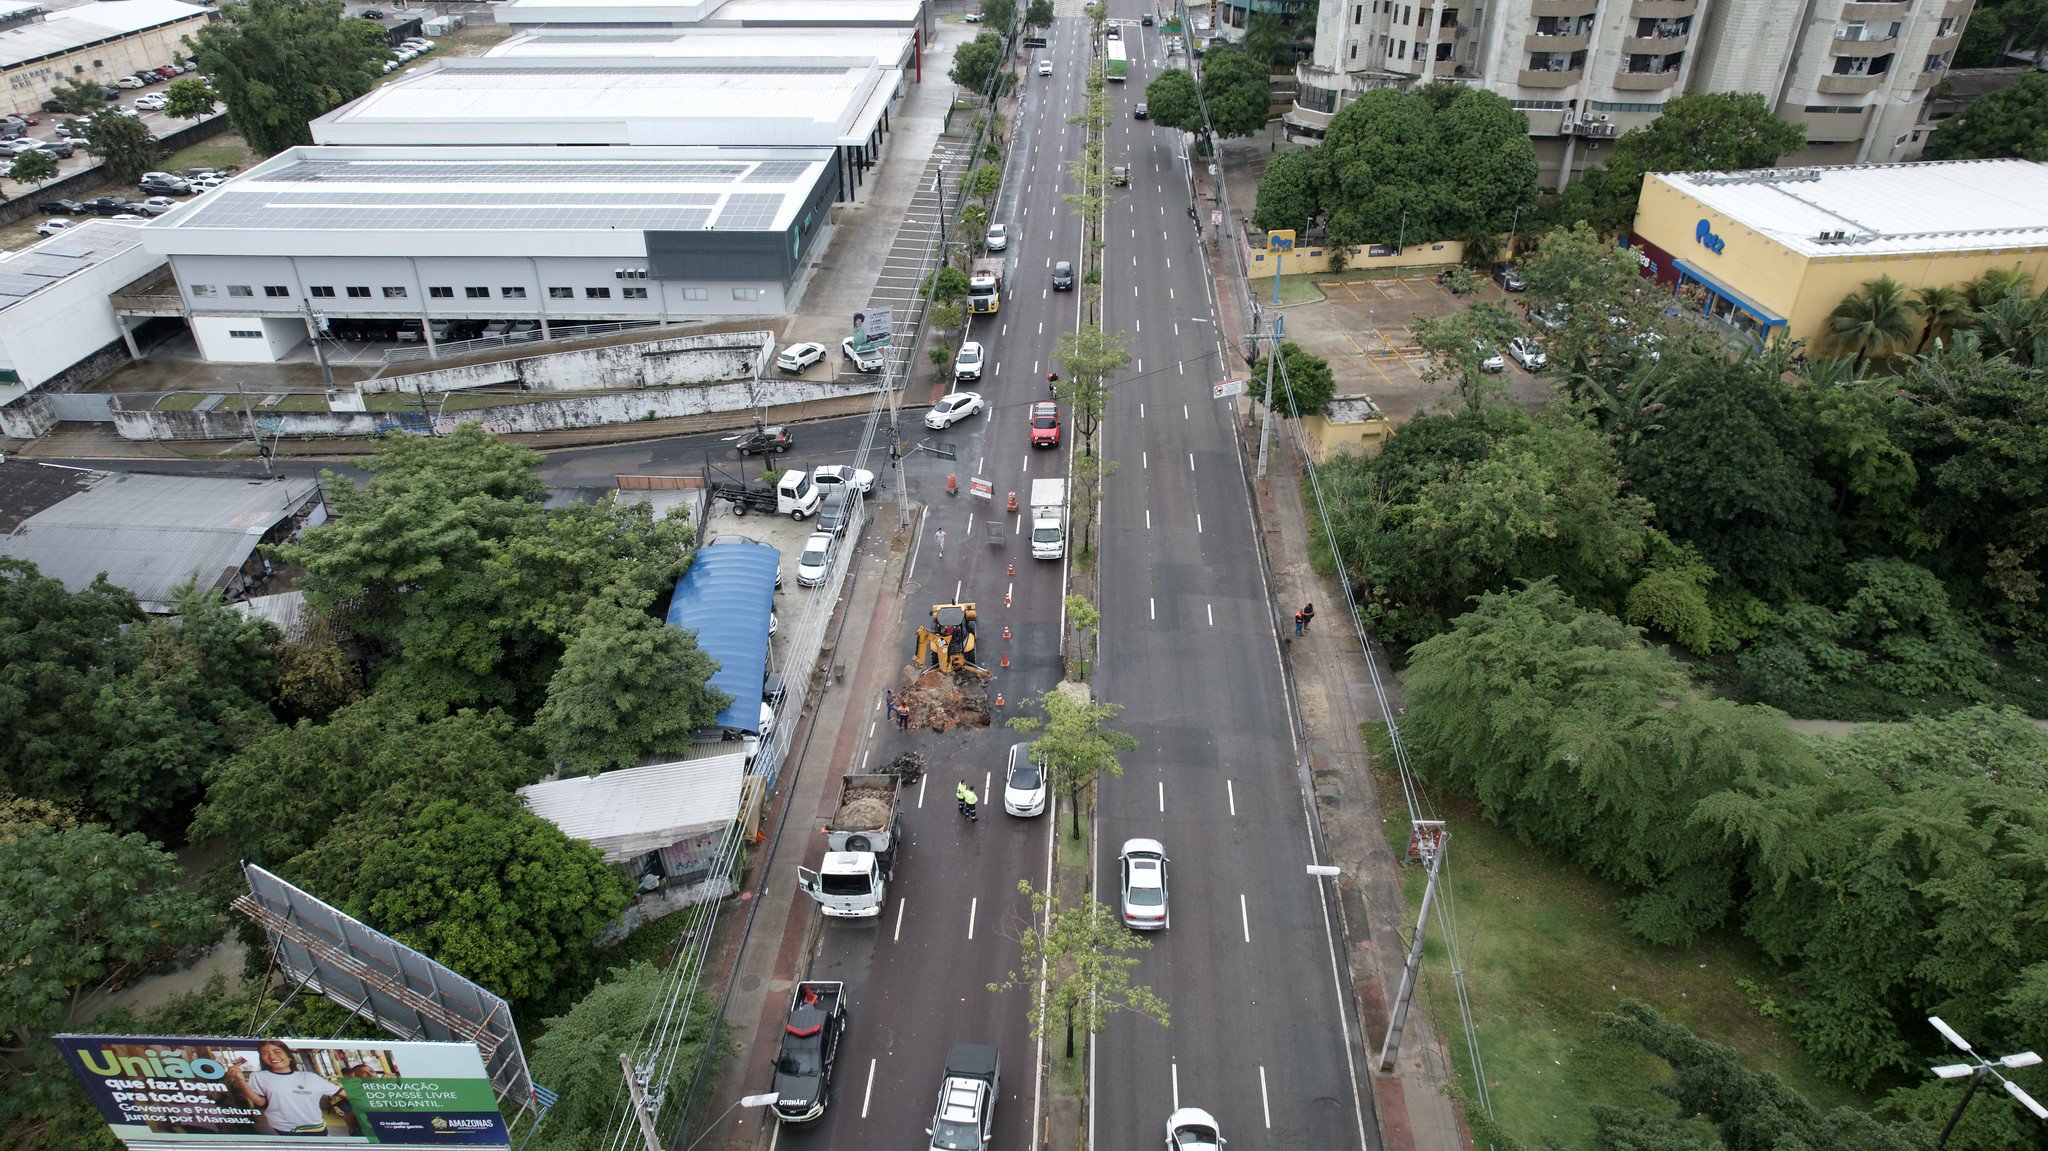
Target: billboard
column 158, row 1091
column 872, row 328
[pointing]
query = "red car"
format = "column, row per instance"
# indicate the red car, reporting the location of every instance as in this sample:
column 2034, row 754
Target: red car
column 1045, row 425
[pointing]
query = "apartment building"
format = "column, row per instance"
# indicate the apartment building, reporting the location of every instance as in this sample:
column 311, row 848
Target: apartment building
column 1586, row 71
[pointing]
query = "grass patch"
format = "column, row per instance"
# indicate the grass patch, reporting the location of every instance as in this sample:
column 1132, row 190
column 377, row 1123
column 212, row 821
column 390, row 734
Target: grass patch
column 226, row 150
column 300, row 402
column 1073, row 852
column 1544, row 950
column 179, row 401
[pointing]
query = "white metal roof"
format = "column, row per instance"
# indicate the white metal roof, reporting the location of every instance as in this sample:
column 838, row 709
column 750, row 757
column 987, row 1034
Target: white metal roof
column 69, row 29
column 826, row 13
column 626, row 814
column 887, row 46
column 46, row 263
column 829, row 13
column 497, row 100
column 425, row 193
column 1940, row 206
column 150, row 533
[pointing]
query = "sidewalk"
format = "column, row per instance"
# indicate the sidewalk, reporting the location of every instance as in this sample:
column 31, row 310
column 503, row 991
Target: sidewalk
column 1336, row 697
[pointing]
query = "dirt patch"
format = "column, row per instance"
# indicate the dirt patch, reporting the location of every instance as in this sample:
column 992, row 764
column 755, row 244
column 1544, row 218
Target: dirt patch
column 941, row 700
column 865, row 808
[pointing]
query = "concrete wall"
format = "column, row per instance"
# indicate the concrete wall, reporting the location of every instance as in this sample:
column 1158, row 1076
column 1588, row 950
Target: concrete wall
column 27, row 418
column 544, row 416
column 223, row 341
column 91, row 180
column 1315, row 258
column 699, row 359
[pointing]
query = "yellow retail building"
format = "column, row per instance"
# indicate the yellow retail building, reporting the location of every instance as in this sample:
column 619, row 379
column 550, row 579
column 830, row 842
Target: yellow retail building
column 1770, row 253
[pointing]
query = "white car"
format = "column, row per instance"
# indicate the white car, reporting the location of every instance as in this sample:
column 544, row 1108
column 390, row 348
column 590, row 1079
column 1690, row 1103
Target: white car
column 816, row 559
column 967, row 365
column 1024, row 782
column 998, row 237
column 951, row 409
column 1045, row 67
column 1143, row 866
column 1193, row 1129
column 833, row 476
column 390, row 66
column 405, row 55
column 154, row 102
column 419, row 44
column 52, row 227
column 129, row 218
column 206, row 183
column 158, row 205
column 22, row 146
column 797, row 357
column 1489, row 359
column 1527, row 353
column 128, row 82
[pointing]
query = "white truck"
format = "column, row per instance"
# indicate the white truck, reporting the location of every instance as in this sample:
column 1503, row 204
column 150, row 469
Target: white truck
column 794, row 495
column 1048, row 519
column 860, row 849
column 863, row 356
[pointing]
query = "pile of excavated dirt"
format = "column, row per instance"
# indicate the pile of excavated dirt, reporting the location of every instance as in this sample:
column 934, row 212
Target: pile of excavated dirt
column 865, row 808
column 941, row 700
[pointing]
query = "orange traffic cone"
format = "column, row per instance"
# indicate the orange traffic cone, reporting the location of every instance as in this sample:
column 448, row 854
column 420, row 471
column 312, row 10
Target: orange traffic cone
column 1006, row 659
column 999, row 699
column 1006, row 631
column 952, row 484
column 1013, row 567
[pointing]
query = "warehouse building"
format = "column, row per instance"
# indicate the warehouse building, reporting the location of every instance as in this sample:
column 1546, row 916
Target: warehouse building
column 890, row 47
column 429, row 243
column 839, row 103
column 913, row 16
column 56, row 322
column 1770, row 253
column 41, row 49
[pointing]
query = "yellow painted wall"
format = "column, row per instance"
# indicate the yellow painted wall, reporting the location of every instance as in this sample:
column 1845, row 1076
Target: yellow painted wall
column 1802, row 289
column 1365, row 437
column 1312, row 258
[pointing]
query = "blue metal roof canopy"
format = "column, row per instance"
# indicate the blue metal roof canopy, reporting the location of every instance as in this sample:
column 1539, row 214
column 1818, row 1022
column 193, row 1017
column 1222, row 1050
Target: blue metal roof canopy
column 726, row 598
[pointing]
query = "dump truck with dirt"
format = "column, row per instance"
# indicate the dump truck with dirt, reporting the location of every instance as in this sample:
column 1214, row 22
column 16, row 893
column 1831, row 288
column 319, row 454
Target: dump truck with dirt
column 861, row 839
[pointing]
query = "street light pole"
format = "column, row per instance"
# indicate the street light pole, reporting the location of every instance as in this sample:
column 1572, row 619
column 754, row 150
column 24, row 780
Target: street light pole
column 1401, row 245
column 767, row 1100
column 1977, row 1072
column 1515, row 224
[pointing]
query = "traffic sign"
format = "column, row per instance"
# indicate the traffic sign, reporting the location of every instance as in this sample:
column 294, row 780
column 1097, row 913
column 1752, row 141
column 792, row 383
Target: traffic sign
column 1228, row 388
column 983, row 489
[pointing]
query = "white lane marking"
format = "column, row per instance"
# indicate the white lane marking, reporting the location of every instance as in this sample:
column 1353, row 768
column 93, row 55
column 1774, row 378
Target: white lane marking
column 1144, row 461
column 974, row 905
column 1162, row 796
column 1176, row 1085
column 1184, row 413
column 1041, row 327
column 898, row 937
column 1141, row 409
column 1244, row 913
column 1198, row 523
column 1169, row 293
column 1141, row 365
column 1151, row 607
column 920, row 793
column 1148, row 519
column 1265, row 1103
column 870, row 1092
column 1169, row 263
column 1138, row 325
column 1191, row 467
column 1212, row 607
column 864, row 758
column 1230, row 791
column 1176, row 327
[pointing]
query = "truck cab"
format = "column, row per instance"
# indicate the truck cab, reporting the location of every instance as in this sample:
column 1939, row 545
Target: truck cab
column 796, row 496
column 847, row 884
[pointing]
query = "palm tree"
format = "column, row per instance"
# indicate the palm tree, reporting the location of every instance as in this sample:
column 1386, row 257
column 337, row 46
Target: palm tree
column 2013, row 323
column 1987, row 289
column 1943, row 309
column 1875, row 319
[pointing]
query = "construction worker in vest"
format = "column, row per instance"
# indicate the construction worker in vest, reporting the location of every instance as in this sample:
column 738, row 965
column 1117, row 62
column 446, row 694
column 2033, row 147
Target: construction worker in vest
column 968, row 800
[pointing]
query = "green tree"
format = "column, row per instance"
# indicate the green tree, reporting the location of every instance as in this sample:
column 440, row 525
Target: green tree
column 629, row 686
column 1942, row 308
column 1732, row 473
column 280, row 64
column 975, row 62
column 1697, row 132
column 2011, row 122
column 189, row 99
column 316, row 675
column 999, row 15
column 79, row 97
column 986, row 182
column 375, row 754
column 1265, row 40
column 1461, row 342
column 1039, row 14
column 124, row 145
column 1084, row 619
column 1485, row 165
column 1172, row 99
column 1875, row 320
column 54, row 646
column 1237, row 89
column 1078, row 969
column 1074, row 741
column 81, row 904
column 32, row 167
column 1290, row 191
column 492, row 890
column 1308, row 385
column 577, row 1053
column 945, row 285
column 1091, row 358
column 1433, row 164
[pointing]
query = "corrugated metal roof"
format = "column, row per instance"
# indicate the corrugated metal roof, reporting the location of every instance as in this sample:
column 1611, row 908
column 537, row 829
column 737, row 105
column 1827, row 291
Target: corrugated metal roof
column 71, row 28
column 1883, row 209
column 625, row 814
column 40, row 266
column 889, row 46
column 151, row 533
column 726, row 598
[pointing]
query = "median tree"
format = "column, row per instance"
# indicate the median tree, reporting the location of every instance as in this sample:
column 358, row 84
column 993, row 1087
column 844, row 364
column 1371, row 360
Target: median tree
column 34, row 166
column 280, row 64
column 1091, row 357
column 1086, row 959
column 124, row 145
column 1072, row 739
column 974, row 63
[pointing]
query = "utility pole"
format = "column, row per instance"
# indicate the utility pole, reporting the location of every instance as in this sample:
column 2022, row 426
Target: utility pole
column 1432, row 847
column 642, row 1109
column 1272, row 347
column 313, row 323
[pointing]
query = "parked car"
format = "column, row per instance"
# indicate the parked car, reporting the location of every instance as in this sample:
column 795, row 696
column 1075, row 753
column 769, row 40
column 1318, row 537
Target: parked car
column 816, row 560
column 836, row 513
column 1142, row 864
column 968, row 363
column 1527, row 353
column 129, row 82
column 60, row 148
column 1550, row 320
column 1024, row 782
column 765, row 441
column 207, row 183
column 158, row 205
column 52, row 227
column 405, row 55
column 154, row 102
column 390, row 66
column 833, row 476
column 797, row 357
column 168, row 72
column 1508, row 277
column 63, row 208
column 1063, row 276
column 998, row 237
column 129, row 217
column 1489, row 359
column 165, row 184
column 972, row 17
column 17, row 147
column 951, row 409
column 371, row 14
column 419, row 44
column 54, row 105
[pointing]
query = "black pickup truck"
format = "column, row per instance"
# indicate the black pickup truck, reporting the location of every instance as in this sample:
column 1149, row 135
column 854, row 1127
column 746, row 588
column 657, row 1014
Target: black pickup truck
column 810, row 1046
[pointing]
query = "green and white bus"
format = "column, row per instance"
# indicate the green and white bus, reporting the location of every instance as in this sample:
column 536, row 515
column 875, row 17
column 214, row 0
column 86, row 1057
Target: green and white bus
column 1118, row 67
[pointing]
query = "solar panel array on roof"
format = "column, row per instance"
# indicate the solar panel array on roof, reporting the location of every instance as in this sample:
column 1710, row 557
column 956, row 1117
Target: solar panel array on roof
column 260, row 210
column 428, row 172
column 12, row 285
column 74, row 251
column 777, row 171
column 748, row 212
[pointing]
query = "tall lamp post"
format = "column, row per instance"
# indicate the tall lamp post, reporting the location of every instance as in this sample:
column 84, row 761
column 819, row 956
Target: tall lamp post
column 1977, row 1071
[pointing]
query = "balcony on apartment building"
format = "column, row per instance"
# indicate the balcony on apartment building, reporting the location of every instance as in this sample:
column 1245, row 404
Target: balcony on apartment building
column 1664, row 9
column 1553, row 70
column 1852, row 40
column 1875, row 13
column 1932, row 70
column 1560, row 34
column 1853, row 75
column 1658, row 37
column 1647, row 72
